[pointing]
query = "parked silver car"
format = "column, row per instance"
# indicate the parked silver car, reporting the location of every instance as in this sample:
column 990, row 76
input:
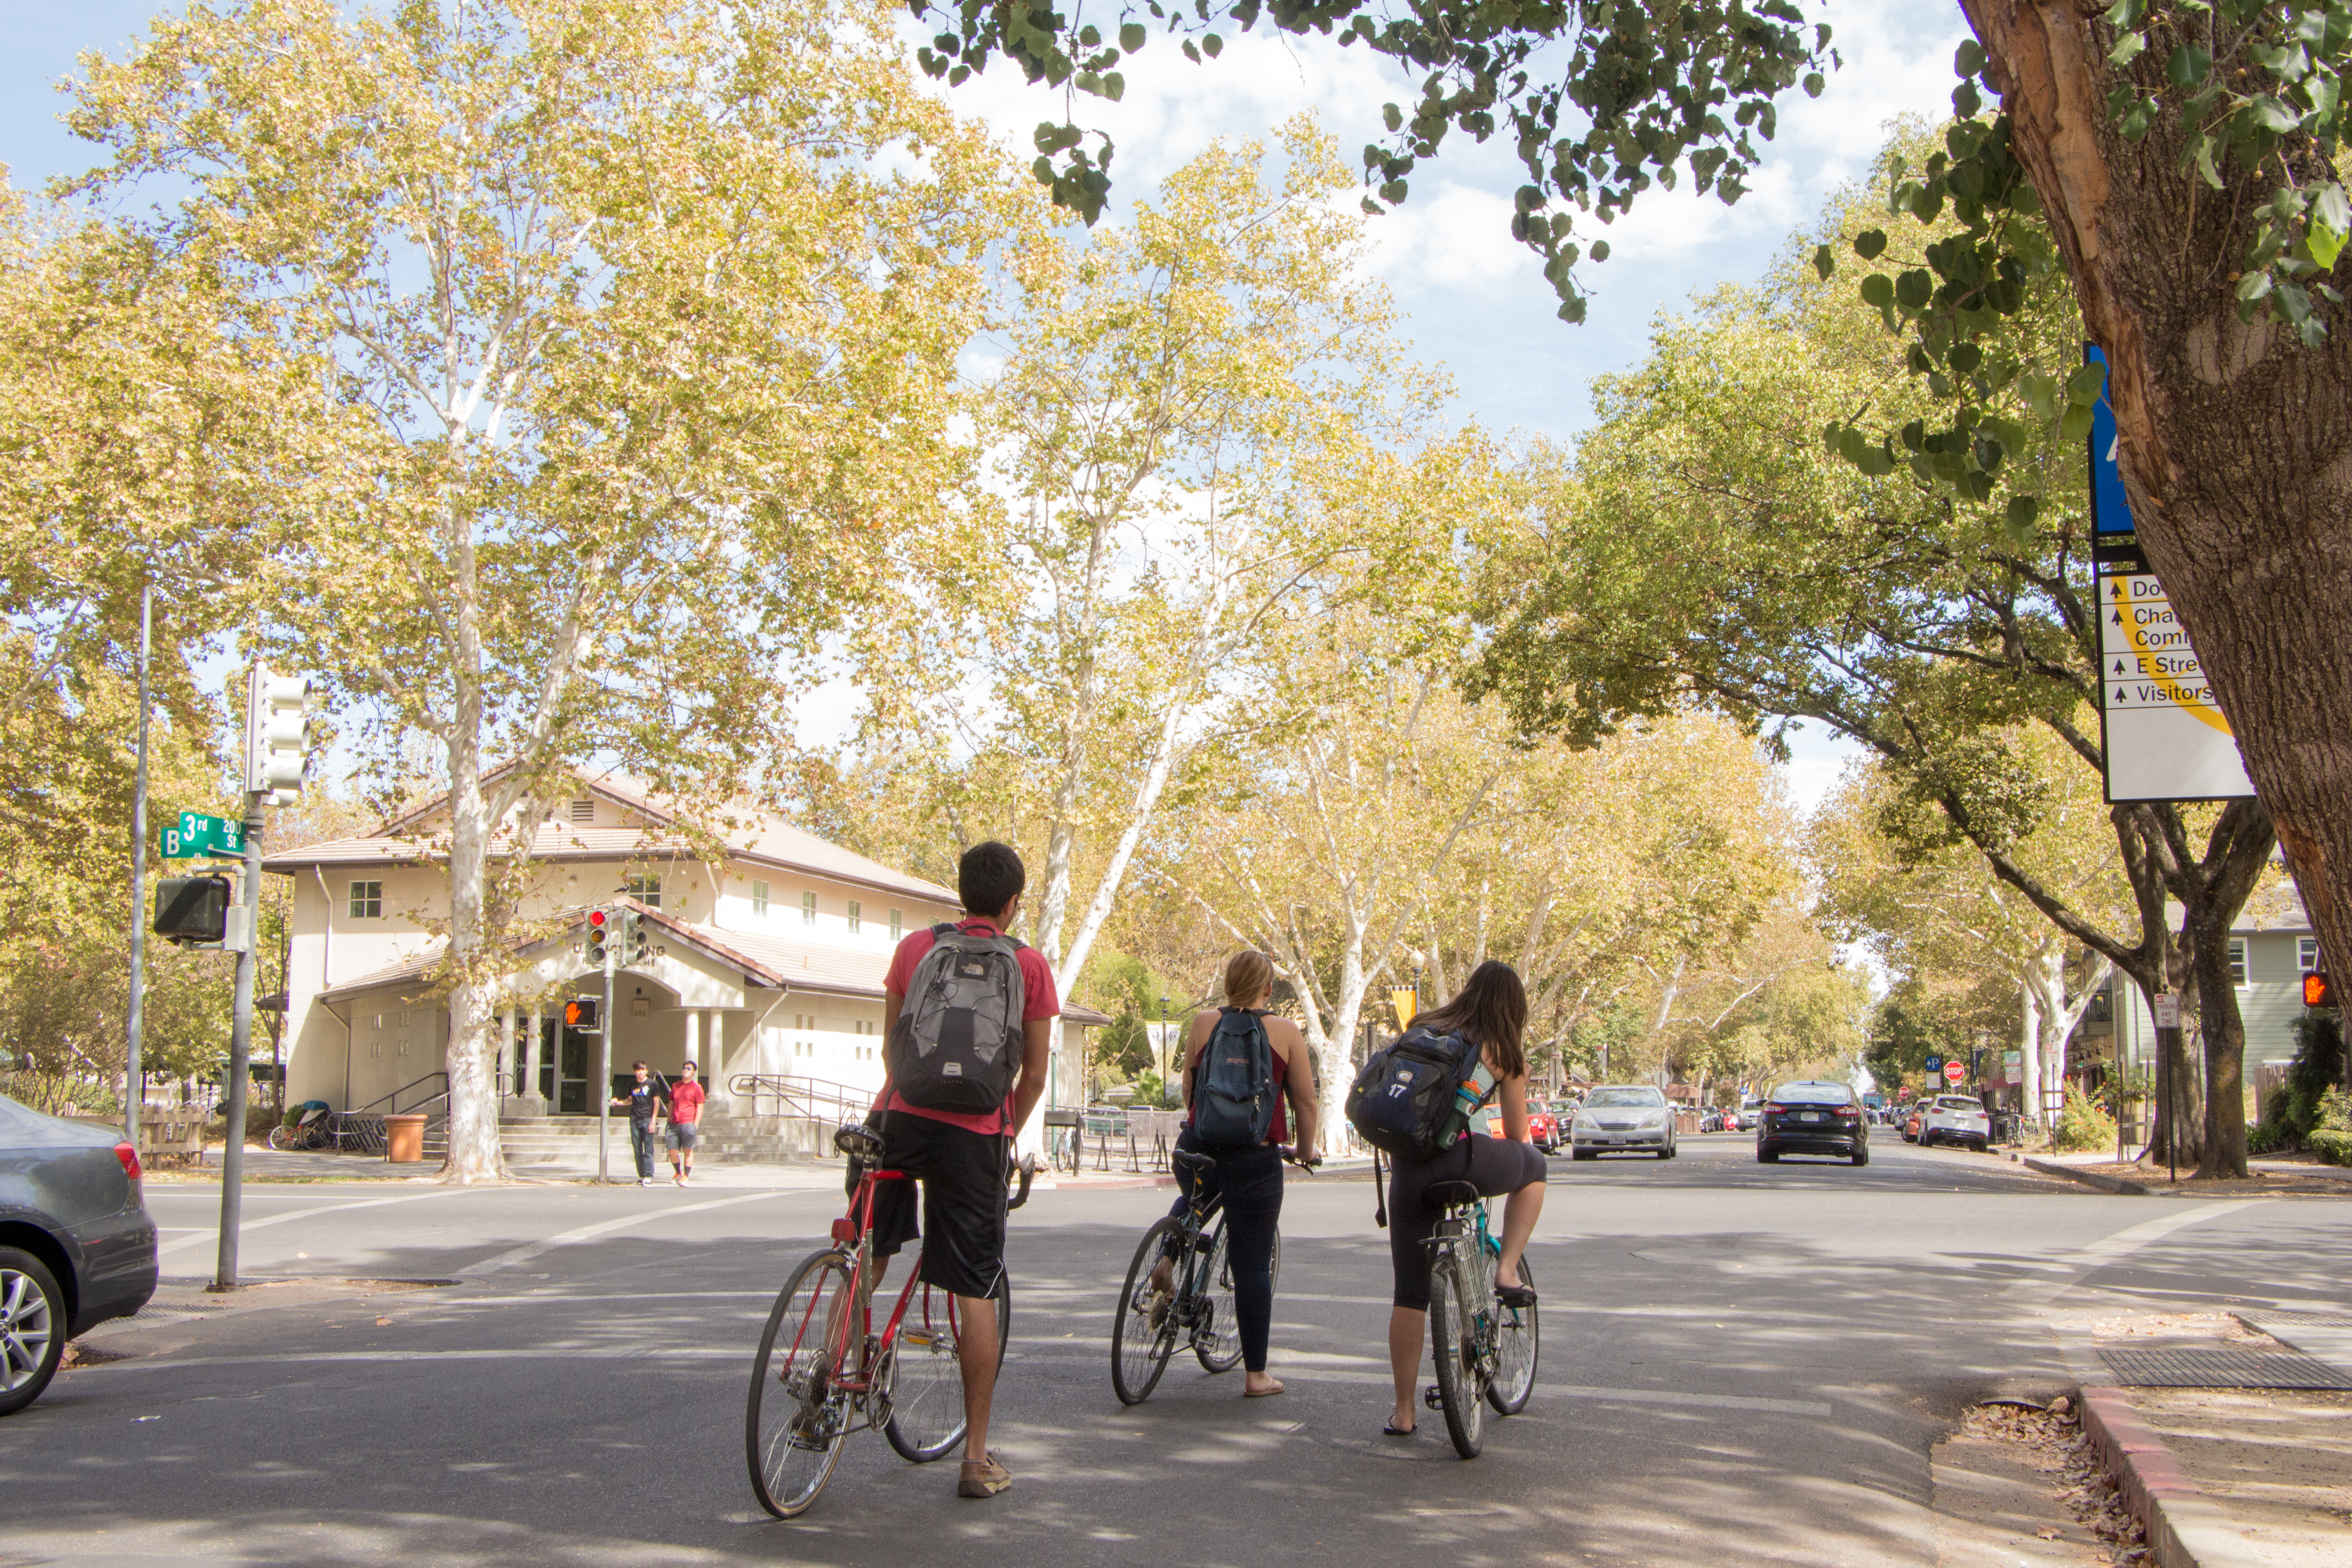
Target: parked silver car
column 75, row 1245
column 1633, row 1117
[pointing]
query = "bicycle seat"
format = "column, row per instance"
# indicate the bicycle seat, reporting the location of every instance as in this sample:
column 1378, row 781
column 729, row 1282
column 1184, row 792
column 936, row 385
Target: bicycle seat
column 855, row 1139
column 1451, row 1195
column 1190, row 1161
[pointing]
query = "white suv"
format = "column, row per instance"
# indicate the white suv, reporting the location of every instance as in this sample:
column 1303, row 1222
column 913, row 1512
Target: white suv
column 1956, row 1119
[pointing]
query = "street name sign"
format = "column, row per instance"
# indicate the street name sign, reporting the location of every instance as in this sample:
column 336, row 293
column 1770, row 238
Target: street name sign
column 1954, row 1072
column 196, row 836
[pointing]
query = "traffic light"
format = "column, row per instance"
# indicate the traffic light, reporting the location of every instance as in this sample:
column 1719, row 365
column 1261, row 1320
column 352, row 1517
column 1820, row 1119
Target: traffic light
column 276, row 735
column 583, row 1015
column 192, row 908
column 2317, row 991
column 600, row 937
column 635, row 945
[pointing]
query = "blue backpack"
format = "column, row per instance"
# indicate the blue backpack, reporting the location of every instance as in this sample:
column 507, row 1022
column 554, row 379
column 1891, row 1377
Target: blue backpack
column 1413, row 1098
column 1234, row 1088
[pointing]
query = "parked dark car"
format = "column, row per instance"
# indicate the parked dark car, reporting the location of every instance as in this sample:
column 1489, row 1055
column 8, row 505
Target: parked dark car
column 1812, row 1117
column 75, row 1245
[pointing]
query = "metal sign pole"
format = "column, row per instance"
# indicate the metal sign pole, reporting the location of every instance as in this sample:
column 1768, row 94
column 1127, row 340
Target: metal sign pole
column 604, row 1083
column 240, row 1053
column 134, row 1022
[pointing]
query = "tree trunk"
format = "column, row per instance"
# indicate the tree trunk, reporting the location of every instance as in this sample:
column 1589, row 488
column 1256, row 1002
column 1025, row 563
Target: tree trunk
column 2235, row 439
column 473, row 1153
column 2030, row 1026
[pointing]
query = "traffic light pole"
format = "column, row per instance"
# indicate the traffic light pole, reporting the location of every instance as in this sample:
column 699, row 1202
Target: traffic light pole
column 604, row 1090
column 134, row 1017
column 240, row 1053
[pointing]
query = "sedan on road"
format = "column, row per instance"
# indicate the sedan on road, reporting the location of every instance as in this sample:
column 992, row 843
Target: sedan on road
column 75, row 1245
column 1633, row 1117
column 1956, row 1119
column 1813, row 1116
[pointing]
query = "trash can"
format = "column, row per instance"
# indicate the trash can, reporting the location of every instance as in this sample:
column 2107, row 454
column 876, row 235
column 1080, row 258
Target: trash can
column 404, row 1139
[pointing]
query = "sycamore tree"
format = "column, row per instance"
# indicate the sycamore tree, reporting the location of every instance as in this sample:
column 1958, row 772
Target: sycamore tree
column 640, row 321
column 1177, row 405
column 2173, row 162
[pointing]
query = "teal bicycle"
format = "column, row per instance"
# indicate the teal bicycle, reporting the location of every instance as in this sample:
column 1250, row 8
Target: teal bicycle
column 1486, row 1350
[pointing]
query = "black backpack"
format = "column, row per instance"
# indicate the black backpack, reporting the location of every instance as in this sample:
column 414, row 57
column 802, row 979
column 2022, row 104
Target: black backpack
column 1408, row 1102
column 957, row 1046
column 1234, row 1088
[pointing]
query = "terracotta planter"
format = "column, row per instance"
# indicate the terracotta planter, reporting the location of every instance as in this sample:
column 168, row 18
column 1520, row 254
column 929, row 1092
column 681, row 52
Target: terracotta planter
column 404, row 1139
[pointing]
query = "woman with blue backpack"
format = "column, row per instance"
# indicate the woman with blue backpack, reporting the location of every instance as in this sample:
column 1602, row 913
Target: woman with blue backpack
column 1240, row 1064
column 1417, row 1099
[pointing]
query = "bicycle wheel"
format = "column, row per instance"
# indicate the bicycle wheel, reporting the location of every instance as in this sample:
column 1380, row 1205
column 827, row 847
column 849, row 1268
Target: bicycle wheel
column 922, row 1377
column 1138, row 1348
column 1217, row 1339
column 282, row 1137
column 1514, row 1353
column 795, row 1419
column 1453, row 1341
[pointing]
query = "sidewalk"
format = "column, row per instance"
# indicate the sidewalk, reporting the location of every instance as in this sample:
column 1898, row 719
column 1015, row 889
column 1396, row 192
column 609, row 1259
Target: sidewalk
column 2138, row 1179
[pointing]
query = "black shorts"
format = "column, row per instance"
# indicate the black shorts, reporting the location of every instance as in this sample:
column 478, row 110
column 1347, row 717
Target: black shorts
column 962, row 1228
column 1496, row 1166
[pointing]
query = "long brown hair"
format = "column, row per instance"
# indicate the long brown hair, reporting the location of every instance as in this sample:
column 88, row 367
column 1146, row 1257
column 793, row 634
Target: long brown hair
column 1492, row 1009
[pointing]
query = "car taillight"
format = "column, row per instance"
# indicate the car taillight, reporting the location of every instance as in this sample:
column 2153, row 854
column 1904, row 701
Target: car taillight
column 129, row 1158
column 1774, row 1110
column 1849, row 1113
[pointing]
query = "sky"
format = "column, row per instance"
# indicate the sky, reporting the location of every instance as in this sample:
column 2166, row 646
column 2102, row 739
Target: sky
column 1470, row 297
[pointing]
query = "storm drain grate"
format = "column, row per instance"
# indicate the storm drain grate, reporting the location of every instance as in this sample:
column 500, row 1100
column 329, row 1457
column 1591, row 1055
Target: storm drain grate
column 2292, row 1320
column 2220, row 1369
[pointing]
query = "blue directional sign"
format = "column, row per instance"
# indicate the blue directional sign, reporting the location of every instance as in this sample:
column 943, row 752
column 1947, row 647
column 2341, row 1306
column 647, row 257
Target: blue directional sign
column 2110, row 508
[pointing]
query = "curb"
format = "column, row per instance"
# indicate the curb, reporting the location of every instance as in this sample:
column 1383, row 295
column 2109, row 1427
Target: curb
column 2088, row 1178
column 2185, row 1528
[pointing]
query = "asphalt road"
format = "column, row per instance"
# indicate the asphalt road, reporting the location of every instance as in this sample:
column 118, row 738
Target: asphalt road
column 1740, row 1364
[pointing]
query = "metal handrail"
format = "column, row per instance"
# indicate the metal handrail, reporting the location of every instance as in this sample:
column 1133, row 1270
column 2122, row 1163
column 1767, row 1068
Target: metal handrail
column 391, row 1102
column 813, row 1100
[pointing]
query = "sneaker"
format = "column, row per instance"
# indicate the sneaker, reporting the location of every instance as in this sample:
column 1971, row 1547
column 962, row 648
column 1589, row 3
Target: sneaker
column 644, row 1181
column 983, row 1477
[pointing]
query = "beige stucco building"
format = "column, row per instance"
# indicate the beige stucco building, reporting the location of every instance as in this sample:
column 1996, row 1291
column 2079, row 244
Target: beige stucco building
column 765, row 967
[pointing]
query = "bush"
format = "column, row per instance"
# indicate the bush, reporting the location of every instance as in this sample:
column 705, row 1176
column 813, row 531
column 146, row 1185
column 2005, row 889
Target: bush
column 2332, row 1147
column 2083, row 1126
column 2335, row 1112
column 2295, row 1109
column 2262, row 1138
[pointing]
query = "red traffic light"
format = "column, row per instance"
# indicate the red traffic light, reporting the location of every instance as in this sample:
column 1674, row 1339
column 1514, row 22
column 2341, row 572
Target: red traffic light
column 2317, row 991
column 597, row 918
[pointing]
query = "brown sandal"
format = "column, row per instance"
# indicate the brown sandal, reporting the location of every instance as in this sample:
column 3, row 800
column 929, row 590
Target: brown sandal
column 983, row 1477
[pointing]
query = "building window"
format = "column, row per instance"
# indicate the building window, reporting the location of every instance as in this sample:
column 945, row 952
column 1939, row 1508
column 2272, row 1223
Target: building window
column 367, row 901
column 759, row 898
column 2237, row 961
column 2307, row 954
column 584, row 811
column 808, row 908
column 894, row 925
column 645, row 890
column 856, row 910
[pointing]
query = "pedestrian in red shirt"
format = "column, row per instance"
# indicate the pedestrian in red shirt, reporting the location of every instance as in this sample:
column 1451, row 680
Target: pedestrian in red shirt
column 686, row 1098
column 959, row 1154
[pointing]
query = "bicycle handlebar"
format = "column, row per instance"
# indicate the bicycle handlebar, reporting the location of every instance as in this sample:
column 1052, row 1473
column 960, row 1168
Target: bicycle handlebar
column 1027, row 1173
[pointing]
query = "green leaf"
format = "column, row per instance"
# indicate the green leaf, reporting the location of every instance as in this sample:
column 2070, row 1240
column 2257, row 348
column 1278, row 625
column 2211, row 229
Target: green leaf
column 1211, row 45
column 2075, row 425
column 1878, row 289
column 1814, row 83
column 1600, row 250
column 2019, row 519
column 1870, row 243
column 1131, row 36
column 2271, row 115
column 2187, row 66
column 1824, row 262
column 2083, row 386
column 2127, row 50
column 1913, row 289
column 1968, row 58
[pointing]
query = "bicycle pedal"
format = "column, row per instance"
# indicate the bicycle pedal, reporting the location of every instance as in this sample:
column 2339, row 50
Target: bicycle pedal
column 1431, row 1397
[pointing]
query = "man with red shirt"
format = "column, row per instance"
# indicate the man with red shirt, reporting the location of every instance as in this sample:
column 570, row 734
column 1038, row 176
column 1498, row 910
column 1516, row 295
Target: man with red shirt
column 960, row 1156
column 685, row 1100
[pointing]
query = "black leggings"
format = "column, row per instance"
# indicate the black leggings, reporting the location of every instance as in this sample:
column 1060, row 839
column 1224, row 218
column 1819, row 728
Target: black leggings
column 1248, row 1183
column 1495, row 1165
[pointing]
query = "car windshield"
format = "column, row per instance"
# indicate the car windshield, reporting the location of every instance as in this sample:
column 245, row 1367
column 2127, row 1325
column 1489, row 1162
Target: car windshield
column 1618, row 1098
column 1812, row 1094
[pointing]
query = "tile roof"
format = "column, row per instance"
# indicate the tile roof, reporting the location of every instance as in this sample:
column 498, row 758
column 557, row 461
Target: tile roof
column 2273, row 909
column 763, row 839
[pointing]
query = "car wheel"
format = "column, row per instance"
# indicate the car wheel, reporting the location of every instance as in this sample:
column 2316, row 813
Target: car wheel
column 1862, row 1156
column 32, row 1327
column 1766, row 1157
column 1582, row 1155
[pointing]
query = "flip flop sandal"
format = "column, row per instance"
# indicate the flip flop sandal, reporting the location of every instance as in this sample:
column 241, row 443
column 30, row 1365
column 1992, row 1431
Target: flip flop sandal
column 1390, row 1429
column 1260, row 1392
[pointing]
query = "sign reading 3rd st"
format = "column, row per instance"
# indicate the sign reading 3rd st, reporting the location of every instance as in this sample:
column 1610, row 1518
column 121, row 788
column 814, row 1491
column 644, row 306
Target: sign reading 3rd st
column 2166, row 738
column 196, row 836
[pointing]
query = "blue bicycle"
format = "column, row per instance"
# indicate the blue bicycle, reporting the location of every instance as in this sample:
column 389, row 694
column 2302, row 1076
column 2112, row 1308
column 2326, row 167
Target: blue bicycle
column 1486, row 1350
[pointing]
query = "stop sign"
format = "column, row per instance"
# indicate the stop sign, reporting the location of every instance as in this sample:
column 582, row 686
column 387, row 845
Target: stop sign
column 1954, row 1072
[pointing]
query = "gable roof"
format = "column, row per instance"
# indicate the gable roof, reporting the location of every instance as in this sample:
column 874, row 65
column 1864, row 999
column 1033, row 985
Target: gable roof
column 2273, row 909
column 765, row 839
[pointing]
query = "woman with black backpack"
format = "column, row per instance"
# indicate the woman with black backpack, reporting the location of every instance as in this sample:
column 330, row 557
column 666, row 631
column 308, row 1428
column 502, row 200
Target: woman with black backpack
column 1489, row 1017
column 1235, row 1104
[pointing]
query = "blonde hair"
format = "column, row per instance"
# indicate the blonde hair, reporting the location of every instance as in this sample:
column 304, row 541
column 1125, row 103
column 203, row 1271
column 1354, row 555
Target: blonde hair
column 1248, row 977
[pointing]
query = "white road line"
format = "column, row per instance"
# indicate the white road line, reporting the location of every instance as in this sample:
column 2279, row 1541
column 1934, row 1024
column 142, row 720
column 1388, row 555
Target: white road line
column 2057, row 1277
column 212, row 1233
column 524, row 1253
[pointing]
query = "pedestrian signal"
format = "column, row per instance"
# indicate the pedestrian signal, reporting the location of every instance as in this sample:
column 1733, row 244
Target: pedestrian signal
column 580, row 1015
column 2317, row 991
column 192, row 908
column 600, row 934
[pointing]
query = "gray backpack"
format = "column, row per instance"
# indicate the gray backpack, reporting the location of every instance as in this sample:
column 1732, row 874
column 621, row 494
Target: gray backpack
column 957, row 1046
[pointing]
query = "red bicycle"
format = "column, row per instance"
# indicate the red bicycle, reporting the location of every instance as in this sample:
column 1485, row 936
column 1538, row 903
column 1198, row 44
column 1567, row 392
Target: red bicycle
column 822, row 1373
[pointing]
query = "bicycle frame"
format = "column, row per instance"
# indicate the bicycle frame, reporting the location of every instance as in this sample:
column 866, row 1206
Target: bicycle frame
column 853, row 1237
column 1450, row 1236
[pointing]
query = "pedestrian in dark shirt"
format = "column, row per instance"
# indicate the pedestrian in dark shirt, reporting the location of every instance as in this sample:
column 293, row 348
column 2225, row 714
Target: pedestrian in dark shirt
column 642, row 1102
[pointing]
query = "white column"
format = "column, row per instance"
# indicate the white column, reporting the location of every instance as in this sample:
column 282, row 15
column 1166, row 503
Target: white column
column 533, row 1102
column 693, row 1039
column 506, row 1058
column 714, row 1048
